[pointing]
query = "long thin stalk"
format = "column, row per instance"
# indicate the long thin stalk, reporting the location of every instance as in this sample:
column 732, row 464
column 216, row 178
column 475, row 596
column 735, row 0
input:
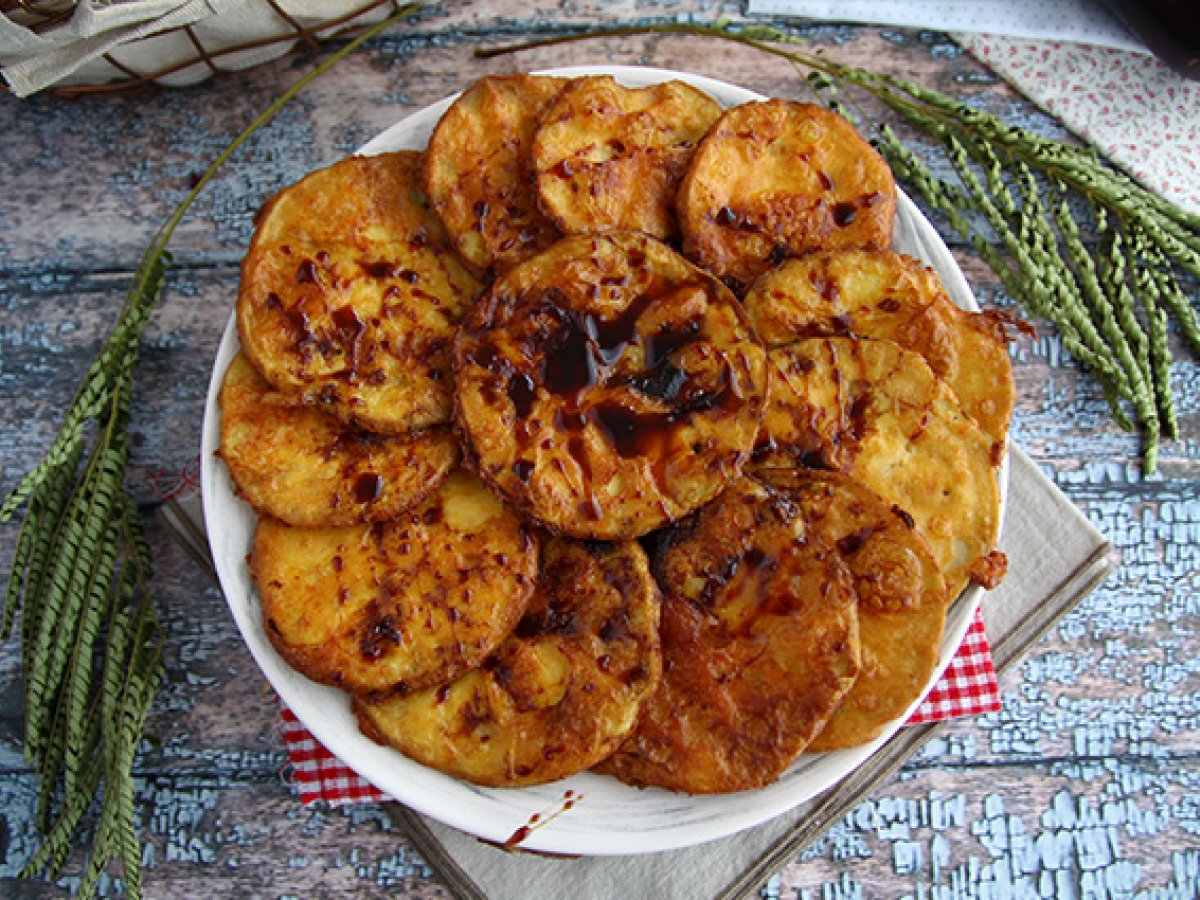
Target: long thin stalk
column 91, row 641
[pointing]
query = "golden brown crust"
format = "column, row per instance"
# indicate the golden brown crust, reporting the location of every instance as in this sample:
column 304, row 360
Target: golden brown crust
column 602, row 388
column 396, row 605
column 608, row 157
column 901, row 598
column 607, row 386
column 559, row 694
column 780, row 178
column 477, row 176
column 350, row 295
column 888, row 296
column 304, row 467
column 760, row 645
column 990, row 570
column 877, row 412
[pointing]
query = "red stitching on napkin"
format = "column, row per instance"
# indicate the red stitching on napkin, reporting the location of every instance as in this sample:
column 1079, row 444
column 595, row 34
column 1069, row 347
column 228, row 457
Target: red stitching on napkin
column 177, row 484
column 967, row 688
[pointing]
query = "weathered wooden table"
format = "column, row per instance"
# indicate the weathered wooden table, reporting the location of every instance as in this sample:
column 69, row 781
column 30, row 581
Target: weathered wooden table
column 1086, row 784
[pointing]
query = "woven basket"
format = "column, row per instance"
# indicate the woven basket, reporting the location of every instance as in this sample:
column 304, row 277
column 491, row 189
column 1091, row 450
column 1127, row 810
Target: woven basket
column 90, row 46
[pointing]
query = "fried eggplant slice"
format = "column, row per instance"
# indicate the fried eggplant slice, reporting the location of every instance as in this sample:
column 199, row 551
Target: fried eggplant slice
column 779, row 178
column 901, row 599
column 609, row 157
column 561, row 692
column 351, row 293
column 889, row 296
column 607, row 386
column 876, row 411
column 477, row 171
column 397, row 605
column 760, row 645
column 306, row 468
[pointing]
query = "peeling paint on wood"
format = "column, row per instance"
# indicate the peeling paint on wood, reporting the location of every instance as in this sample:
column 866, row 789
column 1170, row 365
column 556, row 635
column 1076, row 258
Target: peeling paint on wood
column 1085, row 785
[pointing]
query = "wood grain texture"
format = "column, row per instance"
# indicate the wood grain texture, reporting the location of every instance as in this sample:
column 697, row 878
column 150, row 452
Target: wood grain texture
column 1086, row 784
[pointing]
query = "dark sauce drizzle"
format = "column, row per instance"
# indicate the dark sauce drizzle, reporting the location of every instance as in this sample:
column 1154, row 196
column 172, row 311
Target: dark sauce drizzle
column 575, row 351
column 540, row 820
column 367, row 487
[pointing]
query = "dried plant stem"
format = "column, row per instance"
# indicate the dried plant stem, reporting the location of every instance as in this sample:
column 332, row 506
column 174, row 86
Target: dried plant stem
column 91, row 642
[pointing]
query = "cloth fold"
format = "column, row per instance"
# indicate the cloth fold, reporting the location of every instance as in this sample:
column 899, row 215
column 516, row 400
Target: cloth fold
column 1138, row 113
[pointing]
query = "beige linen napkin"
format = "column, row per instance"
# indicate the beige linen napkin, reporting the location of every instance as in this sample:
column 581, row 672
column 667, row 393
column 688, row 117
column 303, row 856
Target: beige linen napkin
column 1055, row 557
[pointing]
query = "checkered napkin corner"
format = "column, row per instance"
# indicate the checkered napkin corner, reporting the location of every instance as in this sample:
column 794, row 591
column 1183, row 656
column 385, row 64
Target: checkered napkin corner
column 967, row 688
column 319, row 775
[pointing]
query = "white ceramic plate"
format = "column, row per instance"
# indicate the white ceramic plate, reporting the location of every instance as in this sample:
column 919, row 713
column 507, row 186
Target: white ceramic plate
column 605, row 817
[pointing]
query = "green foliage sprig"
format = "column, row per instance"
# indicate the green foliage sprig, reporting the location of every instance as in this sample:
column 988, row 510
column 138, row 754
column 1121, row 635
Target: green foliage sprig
column 1023, row 203
column 91, row 642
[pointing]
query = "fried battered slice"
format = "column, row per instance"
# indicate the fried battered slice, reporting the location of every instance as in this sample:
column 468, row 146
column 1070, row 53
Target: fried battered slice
column 351, row 293
column 396, row 605
column 477, row 173
column 352, row 203
column 901, row 598
column 779, row 178
column 611, row 157
column 889, row 296
column 760, row 645
column 607, row 386
column 302, row 466
column 877, row 412
column 559, row 694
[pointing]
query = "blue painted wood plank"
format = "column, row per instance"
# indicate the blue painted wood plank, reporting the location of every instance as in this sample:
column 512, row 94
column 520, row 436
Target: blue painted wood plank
column 1084, row 785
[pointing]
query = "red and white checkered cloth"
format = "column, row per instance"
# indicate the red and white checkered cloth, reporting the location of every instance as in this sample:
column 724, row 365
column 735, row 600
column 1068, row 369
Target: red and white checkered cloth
column 319, row 775
column 967, row 688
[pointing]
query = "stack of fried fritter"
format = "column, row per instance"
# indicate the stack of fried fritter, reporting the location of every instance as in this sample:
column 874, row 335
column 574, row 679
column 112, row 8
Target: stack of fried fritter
column 682, row 493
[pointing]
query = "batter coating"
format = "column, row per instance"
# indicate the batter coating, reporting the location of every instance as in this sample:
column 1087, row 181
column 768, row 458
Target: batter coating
column 351, row 294
column 777, row 179
column 396, row 605
column 609, row 157
column 607, row 386
column 304, row 467
column 888, row 296
column 561, row 692
column 477, row 171
column 876, row 412
column 760, row 645
column 901, row 599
